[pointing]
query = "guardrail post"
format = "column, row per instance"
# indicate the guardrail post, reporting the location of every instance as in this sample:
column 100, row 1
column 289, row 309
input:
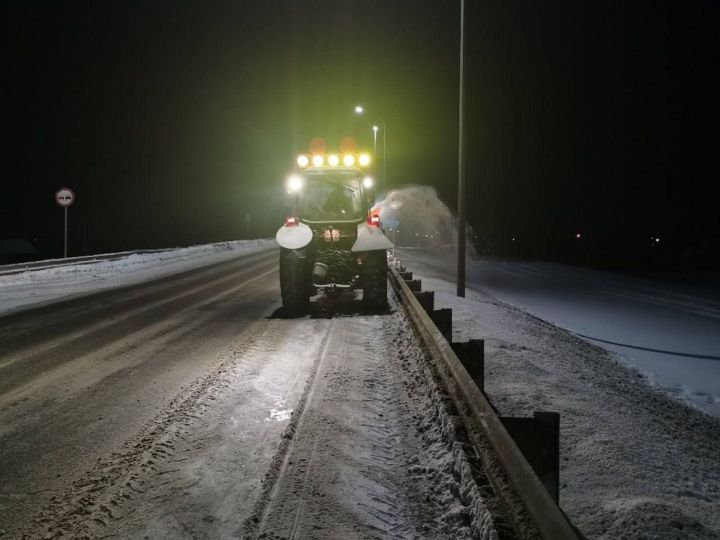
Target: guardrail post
column 426, row 299
column 407, row 276
column 538, row 438
column 472, row 355
column 414, row 284
column 443, row 320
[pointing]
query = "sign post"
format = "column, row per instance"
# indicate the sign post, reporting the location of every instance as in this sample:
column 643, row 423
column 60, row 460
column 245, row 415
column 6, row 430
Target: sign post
column 65, row 197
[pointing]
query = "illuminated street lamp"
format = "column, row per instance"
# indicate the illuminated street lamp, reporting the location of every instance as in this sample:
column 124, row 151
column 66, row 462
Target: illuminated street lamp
column 360, row 110
column 375, row 130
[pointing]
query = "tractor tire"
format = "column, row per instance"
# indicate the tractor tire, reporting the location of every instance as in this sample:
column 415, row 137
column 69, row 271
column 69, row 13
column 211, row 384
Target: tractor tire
column 375, row 279
column 294, row 281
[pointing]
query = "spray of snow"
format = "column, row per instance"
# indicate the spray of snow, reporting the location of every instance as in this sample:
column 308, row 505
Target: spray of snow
column 415, row 216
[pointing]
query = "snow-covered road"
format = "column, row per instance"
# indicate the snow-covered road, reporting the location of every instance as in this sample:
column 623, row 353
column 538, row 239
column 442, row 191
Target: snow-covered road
column 188, row 407
column 669, row 332
column 128, row 412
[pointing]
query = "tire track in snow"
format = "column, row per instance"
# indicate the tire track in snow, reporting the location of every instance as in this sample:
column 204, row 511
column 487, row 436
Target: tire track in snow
column 375, row 453
column 149, row 466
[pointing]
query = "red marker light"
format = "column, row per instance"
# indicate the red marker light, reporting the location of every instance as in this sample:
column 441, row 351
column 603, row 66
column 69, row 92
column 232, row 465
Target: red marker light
column 374, row 220
column 291, row 221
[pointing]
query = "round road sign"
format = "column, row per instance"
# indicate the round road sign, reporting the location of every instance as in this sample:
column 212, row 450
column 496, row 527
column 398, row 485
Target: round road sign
column 65, row 197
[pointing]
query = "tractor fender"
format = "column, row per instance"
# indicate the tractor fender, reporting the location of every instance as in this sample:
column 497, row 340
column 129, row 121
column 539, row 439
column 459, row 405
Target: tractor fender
column 294, row 236
column 370, row 238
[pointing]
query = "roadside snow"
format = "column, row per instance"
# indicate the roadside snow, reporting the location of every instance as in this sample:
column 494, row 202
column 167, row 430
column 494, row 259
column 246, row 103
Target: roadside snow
column 669, row 332
column 635, row 463
column 44, row 286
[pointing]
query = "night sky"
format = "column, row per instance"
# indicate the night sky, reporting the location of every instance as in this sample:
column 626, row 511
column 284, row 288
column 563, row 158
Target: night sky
column 172, row 120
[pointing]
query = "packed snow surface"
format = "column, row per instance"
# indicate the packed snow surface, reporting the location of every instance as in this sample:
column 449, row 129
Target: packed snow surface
column 197, row 409
column 40, row 286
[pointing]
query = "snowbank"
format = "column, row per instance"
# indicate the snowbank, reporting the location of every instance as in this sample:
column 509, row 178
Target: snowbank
column 635, row 463
column 33, row 287
column 668, row 331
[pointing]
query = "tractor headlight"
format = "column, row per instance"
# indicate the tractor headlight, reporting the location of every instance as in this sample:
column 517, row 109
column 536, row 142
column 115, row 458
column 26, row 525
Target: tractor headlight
column 294, row 183
column 333, row 160
column 364, row 160
column 348, row 160
column 303, row 161
column 318, row 161
column 368, row 182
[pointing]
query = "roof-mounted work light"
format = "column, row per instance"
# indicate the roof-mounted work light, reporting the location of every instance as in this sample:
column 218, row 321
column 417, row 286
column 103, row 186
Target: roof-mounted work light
column 364, row 160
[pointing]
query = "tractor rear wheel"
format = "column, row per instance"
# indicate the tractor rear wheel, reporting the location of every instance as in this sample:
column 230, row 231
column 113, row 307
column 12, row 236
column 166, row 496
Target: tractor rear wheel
column 294, row 276
column 375, row 279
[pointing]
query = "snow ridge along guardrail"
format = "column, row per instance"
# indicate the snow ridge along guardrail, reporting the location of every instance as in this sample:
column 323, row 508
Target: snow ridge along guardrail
column 17, row 268
column 549, row 521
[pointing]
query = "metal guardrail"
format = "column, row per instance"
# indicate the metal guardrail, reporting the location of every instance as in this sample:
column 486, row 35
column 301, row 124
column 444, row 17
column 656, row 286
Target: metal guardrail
column 547, row 518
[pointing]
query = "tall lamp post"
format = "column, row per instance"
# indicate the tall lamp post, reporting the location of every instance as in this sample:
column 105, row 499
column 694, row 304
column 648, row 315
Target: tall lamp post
column 359, row 110
column 461, row 166
column 375, row 130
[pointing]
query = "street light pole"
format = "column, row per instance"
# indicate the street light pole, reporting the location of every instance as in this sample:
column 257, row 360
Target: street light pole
column 375, row 130
column 384, row 156
column 461, row 167
column 359, row 110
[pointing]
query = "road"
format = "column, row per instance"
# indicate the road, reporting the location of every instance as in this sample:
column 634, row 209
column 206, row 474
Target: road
column 188, row 407
column 669, row 332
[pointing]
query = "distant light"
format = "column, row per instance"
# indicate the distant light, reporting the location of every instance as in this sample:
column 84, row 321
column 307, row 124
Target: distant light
column 348, row 160
column 577, row 236
column 375, row 129
column 294, row 183
column 364, row 160
column 333, row 160
column 368, row 182
column 657, row 240
column 359, row 109
column 318, row 161
column 303, row 161
column 513, row 239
